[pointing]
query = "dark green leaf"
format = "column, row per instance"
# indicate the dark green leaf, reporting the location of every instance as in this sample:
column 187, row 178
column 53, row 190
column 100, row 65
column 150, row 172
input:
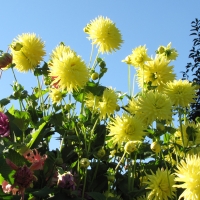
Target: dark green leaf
column 96, row 195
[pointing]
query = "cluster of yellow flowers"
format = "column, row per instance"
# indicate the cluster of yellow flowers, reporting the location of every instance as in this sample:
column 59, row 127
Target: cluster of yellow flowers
column 161, row 95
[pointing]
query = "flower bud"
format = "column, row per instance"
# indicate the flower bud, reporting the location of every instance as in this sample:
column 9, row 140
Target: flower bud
column 95, row 76
column 117, row 108
column 160, row 126
column 5, row 59
column 111, row 178
column 161, row 50
column 84, row 163
column 127, row 60
column 102, row 64
column 155, row 147
column 16, row 46
column 101, row 153
column 130, row 146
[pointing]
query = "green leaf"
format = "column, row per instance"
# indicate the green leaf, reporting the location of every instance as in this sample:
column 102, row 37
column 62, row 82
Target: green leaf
column 5, row 170
column 96, row 195
column 21, row 118
column 15, row 157
column 43, row 192
column 36, row 136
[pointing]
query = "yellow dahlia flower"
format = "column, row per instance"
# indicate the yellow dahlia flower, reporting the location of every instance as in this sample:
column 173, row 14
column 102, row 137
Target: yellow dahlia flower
column 191, row 134
column 151, row 106
column 60, row 51
column 30, row 53
column 103, row 33
column 55, row 95
column 125, row 128
column 160, row 185
column 181, row 92
column 70, row 72
column 92, row 101
column 108, row 103
column 139, row 56
column 188, row 174
column 157, row 72
column 168, row 52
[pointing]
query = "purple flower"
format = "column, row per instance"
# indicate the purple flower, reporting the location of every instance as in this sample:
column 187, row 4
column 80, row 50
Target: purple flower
column 4, row 125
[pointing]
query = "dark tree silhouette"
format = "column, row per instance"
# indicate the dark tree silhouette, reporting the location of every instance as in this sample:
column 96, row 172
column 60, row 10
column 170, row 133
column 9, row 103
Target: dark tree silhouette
column 194, row 67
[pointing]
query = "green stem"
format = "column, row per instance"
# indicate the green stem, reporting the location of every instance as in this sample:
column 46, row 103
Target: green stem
column 14, row 74
column 94, row 64
column 41, row 96
column 92, row 50
column 181, row 129
column 133, row 172
column 120, row 161
column 95, row 172
column 84, row 183
column 129, row 79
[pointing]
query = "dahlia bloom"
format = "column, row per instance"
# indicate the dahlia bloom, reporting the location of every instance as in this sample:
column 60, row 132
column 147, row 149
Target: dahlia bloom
column 189, row 175
column 55, row 95
column 59, row 52
column 69, row 72
column 92, row 101
column 108, row 103
column 103, row 33
column 30, row 54
column 66, row 181
column 167, row 52
column 4, row 125
column 160, row 185
column 181, row 92
column 139, row 56
column 157, row 72
column 23, row 177
column 125, row 128
column 151, row 106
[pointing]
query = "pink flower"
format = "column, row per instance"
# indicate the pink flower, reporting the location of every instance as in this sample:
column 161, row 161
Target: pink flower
column 35, row 158
column 7, row 188
column 4, row 125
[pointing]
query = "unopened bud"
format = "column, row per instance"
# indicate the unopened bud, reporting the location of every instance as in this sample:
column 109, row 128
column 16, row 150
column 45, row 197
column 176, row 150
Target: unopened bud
column 95, row 76
column 155, row 147
column 130, row 146
column 84, row 163
column 161, row 49
column 101, row 153
column 16, row 46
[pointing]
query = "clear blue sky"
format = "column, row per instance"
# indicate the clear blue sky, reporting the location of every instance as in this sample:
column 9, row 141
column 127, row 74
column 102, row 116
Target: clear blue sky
column 141, row 22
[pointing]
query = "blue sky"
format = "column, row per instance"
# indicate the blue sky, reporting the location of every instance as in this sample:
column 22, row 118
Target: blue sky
column 141, row 22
